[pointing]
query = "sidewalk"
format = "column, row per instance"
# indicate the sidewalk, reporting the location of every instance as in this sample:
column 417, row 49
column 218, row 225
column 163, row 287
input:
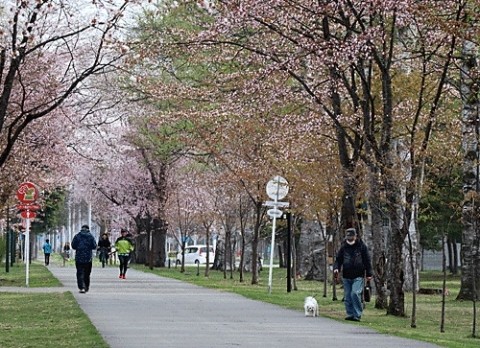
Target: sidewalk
column 146, row 310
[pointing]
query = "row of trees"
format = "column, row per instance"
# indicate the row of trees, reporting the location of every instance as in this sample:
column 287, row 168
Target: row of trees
column 379, row 84
column 175, row 126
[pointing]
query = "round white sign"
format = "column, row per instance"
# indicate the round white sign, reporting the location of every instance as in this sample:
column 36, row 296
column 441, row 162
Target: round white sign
column 277, row 188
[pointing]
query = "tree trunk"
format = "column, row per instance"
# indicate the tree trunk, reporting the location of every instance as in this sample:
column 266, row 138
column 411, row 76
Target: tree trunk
column 396, row 305
column 150, row 242
column 256, row 233
column 378, row 242
column 470, row 284
column 141, row 240
column 207, row 235
column 219, row 256
column 229, row 252
column 348, row 158
column 159, row 241
column 398, row 225
column 412, row 257
column 412, row 197
column 455, row 257
column 450, row 246
column 281, row 262
column 294, row 262
column 242, row 256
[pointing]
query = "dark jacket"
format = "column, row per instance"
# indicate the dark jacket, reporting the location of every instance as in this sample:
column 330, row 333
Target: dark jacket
column 354, row 260
column 104, row 243
column 84, row 243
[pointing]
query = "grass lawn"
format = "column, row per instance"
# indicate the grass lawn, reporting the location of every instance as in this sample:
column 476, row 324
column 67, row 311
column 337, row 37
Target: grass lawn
column 55, row 319
column 39, row 276
column 458, row 314
column 42, row 319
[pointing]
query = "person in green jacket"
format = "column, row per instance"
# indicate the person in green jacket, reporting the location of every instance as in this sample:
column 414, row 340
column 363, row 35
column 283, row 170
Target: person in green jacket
column 124, row 246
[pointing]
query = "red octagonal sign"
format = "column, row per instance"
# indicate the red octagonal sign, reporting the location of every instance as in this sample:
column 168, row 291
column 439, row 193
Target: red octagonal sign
column 27, row 192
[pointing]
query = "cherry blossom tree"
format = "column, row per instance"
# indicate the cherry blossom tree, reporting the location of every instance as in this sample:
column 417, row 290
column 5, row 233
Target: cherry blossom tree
column 182, row 210
column 343, row 62
column 48, row 52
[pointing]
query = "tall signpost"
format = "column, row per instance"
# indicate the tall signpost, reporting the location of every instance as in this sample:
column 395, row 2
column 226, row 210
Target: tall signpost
column 27, row 195
column 277, row 189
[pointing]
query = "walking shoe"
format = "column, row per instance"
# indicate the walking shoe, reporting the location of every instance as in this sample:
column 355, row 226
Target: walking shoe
column 355, row 319
column 349, row 318
column 82, row 291
column 124, row 277
column 120, row 276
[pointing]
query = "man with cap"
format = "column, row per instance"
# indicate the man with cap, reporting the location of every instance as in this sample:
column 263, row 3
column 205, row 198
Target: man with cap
column 84, row 243
column 354, row 261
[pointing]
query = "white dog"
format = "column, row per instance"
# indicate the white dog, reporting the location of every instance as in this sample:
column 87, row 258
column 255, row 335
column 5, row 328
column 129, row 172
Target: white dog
column 311, row 306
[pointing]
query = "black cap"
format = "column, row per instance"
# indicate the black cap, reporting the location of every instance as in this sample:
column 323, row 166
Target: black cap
column 85, row 227
column 123, row 230
column 350, row 232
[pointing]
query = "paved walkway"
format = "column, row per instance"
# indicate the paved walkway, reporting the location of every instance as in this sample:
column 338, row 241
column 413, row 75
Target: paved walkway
column 146, row 310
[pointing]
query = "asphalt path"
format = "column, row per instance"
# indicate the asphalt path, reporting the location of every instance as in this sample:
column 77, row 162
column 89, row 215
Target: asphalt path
column 146, row 310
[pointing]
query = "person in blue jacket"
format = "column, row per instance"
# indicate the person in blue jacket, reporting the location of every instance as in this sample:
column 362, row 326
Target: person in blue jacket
column 47, row 250
column 355, row 262
column 84, row 243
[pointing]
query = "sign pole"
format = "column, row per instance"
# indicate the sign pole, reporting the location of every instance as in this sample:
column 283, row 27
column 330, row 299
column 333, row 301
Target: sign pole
column 27, row 249
column 272, row 249
column 27, row 194
column 277, row 188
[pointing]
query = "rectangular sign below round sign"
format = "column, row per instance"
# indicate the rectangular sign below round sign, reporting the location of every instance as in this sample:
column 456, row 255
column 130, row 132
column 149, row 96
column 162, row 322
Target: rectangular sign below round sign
column 27, row 214
column 31, row 207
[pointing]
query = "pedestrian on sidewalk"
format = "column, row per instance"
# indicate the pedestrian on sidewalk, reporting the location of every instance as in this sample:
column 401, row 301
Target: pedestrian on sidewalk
column 47, row 250
column 84, row 243
column 104, row 247
column 124, row 247
column 354, row 261
column 66, row 250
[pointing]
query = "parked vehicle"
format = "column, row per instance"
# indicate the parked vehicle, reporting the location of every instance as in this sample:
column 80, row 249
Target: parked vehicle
column 196, row 254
